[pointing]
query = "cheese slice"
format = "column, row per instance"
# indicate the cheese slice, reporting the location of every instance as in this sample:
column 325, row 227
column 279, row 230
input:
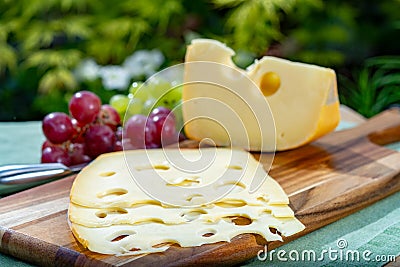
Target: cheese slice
column 209, row 172
column 109, row 213
column 275, row 104
column 95, row 217
column 147, row 237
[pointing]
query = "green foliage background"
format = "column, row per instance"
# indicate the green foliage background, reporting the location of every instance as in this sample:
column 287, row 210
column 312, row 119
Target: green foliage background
column 41, row 41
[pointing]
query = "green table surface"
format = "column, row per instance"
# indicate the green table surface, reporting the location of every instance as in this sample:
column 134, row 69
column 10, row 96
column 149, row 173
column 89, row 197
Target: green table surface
column 370, row 237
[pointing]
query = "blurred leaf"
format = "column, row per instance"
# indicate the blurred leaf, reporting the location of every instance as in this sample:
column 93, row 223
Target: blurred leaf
column 255, row 24
column 8, row 58
column 375, row 87
column 227, row 3
column 57, row 78
column 52, row 58
column 78, row 26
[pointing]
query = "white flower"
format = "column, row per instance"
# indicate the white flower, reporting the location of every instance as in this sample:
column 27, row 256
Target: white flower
column 115, row 77
column 87, row 70
column 144, row 62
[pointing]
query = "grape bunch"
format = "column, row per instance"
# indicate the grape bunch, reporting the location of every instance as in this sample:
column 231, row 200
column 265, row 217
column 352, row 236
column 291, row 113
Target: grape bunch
column 145, row 97
column 153, row 131
column 91, row 130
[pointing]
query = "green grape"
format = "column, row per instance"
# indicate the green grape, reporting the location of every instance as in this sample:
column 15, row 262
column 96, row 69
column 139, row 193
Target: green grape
column 134, row 107
column 158, row 87
column 140, row 91
column 119, row 103
column 134, row 87
column 171, row 98
column 148, row 106
column 178, row 115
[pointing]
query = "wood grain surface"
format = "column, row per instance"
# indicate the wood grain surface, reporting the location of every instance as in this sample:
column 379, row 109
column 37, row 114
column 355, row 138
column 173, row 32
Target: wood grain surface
column 326, row 180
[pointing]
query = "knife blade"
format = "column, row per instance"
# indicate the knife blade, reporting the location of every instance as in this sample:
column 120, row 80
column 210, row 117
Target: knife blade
column 17, row 174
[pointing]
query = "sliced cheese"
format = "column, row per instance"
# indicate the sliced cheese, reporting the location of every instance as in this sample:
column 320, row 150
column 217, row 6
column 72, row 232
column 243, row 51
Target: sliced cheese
column 95, row 217
column 147, row 237
column 274, row 104
column 110, row 214
column 109, row 180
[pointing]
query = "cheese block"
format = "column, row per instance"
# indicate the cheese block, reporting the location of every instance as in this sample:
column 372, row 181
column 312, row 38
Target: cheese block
column 274, row 104
column 111, row 213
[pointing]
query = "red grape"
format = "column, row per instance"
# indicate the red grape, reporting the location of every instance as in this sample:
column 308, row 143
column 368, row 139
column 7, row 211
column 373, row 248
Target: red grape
column 182, row 137
column 84, row 106
column 118, row 146
column 57, row 127
column 166, row 130
column 77, row 154
column 47, row 143
column 141, row 132
column 118, row 133
column 161, row 111
column 126, row 144
column 99, row 139
column 78, row 131
column 110, row 117
column 53, row 154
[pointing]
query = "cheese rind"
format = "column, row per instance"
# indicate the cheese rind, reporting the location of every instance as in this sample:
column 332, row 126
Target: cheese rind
column 304, row 107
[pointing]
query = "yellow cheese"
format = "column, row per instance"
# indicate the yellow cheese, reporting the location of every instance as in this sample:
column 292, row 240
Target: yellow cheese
column 110, row 214
column 275, row 104
column 107, row 181
column 95, row 217
column 146, row 237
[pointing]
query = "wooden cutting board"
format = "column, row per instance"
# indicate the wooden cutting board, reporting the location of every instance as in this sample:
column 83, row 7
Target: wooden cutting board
column 327, row 180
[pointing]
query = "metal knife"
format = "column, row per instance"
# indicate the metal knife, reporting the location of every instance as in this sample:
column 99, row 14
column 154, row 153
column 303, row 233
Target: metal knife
column 19, row 174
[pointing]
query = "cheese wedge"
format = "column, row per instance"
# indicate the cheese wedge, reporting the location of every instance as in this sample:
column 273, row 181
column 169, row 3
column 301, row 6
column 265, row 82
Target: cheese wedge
column 275, row 104
column 109, row 213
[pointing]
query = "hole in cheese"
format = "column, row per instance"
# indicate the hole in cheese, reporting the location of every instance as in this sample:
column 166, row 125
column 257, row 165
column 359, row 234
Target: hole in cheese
column 155, row 167
column 231, row 186
column 266, row 211
column 105, row 212
column 238, row 220
column 270, row 83
column 192, row 215
column 118, row 236
column 111, row 193
column 186, row 182
column 149, row 220
column 101, row 215
column 107, row 174
column 231, row 203
column 208, row 232
column 165, row 243
column 161, row 167
column 264, row 199
column 274, row 231
column 194, row 197
column 235, row 167
column 145, row 203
